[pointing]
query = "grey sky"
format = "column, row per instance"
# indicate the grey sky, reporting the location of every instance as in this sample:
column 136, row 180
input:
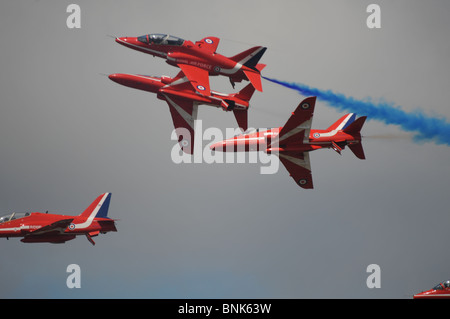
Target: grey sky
column 68, row 134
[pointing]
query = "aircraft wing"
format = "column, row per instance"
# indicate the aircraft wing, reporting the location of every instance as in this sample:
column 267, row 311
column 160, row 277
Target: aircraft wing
column 297, row 128
column 209, row 43
column 184, row 114
column 55, row 228
column 299, row 167
column 199, row 78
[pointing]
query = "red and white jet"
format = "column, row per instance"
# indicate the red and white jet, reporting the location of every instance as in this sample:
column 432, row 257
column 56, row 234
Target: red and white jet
column 183, row 101
column 199, row 60
column 293, row 142
column 57, row 229
column 440, row 291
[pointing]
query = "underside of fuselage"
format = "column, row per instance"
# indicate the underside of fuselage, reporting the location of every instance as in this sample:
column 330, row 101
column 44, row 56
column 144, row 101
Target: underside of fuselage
column 55, row 239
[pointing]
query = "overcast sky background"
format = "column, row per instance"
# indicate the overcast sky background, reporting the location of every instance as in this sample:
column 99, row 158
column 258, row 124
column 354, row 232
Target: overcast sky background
column 68, row 134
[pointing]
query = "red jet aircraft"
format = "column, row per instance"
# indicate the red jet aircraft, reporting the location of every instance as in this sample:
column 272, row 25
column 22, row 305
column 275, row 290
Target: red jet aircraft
column 199, row 60
column 183, row 101
column 293, row 142
column 440, row 291
column 57, row 229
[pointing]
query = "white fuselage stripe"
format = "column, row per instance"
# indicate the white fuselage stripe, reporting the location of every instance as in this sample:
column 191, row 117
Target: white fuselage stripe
column 185, row 115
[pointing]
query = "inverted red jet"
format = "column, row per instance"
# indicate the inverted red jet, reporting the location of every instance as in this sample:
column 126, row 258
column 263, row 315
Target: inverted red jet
column 440, row 291
column 293, row 142
column 57, row 229
column 199, row 60
column 183, row 101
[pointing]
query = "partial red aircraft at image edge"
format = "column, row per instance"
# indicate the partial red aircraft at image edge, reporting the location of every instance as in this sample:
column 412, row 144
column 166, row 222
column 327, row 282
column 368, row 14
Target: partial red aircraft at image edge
column 57, row 229
column 183, row 101
column 199, row 60
column 293, row 142
column 440, row 291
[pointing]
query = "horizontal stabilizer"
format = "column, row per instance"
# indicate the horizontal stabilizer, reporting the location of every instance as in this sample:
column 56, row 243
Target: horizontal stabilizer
column 358, row 150
column 260, row 66
column 255, row 78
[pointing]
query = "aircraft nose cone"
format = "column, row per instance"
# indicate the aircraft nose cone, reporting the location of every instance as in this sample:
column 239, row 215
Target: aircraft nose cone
column 114, row 77
column 123, row 79
column 122, row 40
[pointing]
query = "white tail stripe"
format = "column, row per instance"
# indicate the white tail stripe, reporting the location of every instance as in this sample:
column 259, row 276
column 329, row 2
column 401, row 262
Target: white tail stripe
column 344, row 122
column 91, row 217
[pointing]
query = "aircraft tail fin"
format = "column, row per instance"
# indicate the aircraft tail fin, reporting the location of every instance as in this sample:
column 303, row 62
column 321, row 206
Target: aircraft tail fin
column 356, row 126
column 354, row 129
column 241, row 118
column 99, row 207
column 252, row 69
column 343, row 122
column 260, row 66
column 253, row 61
column 250, row 57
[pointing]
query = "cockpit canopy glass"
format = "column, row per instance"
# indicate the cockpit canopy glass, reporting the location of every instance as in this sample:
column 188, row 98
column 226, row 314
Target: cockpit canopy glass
column 442, row 285
column 248, row 131
column 437, row 287
column 161, row 39
column 255, row 130
column 9, row 217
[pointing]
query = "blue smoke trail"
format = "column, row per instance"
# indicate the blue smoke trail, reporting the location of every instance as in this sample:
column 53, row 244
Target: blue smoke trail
column 426, row 127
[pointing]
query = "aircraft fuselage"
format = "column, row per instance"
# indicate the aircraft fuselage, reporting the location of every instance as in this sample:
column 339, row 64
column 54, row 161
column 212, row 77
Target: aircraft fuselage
column 160, row 87
column 258, row 141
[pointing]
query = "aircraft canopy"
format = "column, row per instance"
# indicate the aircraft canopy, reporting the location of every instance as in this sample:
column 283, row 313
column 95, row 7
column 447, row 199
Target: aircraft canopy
column 161, row 39
column 9, row 217
column 248, row 131
column 442, row 285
